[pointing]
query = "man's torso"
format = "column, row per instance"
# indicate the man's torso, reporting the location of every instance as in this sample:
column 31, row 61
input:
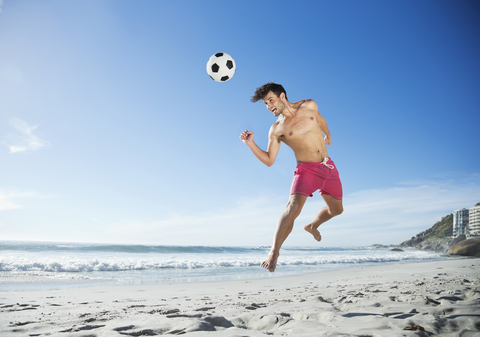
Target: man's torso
column 302, row 133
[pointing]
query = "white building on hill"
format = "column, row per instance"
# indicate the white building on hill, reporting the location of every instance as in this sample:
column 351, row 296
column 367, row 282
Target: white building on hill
column 474, row 221
column 460, row 222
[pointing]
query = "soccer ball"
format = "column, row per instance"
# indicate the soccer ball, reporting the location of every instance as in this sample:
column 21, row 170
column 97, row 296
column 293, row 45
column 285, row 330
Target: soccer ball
column 221, row 67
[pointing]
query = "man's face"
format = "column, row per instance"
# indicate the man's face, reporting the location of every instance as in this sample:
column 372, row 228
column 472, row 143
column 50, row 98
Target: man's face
column 274, row 103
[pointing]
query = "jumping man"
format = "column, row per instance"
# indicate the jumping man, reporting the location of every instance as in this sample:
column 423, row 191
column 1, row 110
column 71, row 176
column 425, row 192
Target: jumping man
column 302, row 128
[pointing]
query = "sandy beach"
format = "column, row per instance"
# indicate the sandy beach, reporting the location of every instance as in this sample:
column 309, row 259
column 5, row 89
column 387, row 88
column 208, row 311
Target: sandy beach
column 420, row 299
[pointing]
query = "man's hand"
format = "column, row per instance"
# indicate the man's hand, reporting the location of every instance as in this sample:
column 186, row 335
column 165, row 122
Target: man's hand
column 327, row 140
column 246, row 136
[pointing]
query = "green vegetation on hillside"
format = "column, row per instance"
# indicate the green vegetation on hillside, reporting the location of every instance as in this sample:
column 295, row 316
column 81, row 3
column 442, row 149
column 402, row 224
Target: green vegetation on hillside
column 442, row 229
column 438, row 237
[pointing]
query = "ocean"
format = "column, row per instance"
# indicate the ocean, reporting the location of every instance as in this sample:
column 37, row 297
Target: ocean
column 29, row 266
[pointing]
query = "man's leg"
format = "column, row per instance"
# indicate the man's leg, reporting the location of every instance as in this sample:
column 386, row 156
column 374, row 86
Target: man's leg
column 284, row 227
column 334, row 207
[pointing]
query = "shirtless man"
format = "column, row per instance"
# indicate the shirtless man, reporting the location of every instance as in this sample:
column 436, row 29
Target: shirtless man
column 301, row 127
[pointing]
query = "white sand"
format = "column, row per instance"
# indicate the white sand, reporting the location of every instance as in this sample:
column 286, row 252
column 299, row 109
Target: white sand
column 435, row 298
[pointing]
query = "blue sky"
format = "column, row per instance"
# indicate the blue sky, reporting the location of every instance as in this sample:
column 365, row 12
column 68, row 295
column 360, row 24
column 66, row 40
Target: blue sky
column 111, row 130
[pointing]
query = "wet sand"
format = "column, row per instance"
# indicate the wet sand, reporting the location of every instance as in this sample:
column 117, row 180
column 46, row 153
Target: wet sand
column 420, row 299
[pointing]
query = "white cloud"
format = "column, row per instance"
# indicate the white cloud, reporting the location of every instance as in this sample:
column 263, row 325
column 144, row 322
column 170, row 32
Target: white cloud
column 6, row 199
column 388, row 215
column 385, row 216
column 6, row 204
column 1, row 4
column 250, row 222
column 23, row 139
column 392, row 215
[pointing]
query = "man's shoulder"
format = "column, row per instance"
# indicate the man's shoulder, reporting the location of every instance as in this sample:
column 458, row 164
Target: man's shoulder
column 309, row 103
column 307, row 106
column 306, row 103
column 274, row 125
column 274, row 131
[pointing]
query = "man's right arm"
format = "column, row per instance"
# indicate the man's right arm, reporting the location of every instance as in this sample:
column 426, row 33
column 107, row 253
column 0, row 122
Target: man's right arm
column 267, row 157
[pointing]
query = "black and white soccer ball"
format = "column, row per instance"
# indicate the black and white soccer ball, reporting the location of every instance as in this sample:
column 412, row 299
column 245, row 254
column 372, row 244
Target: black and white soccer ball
column 221, row 67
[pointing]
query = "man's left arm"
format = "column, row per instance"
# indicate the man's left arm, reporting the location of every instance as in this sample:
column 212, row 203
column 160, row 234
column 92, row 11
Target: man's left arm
column 322, row 123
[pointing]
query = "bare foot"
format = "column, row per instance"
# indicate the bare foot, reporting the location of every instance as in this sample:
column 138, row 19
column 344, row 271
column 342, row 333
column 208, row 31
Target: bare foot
column 271, row 262
column 316, row 234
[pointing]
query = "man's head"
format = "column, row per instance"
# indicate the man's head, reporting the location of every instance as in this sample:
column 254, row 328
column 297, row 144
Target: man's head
column 261, row 92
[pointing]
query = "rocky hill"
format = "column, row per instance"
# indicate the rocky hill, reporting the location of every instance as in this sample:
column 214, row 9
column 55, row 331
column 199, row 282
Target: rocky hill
column 438, row 238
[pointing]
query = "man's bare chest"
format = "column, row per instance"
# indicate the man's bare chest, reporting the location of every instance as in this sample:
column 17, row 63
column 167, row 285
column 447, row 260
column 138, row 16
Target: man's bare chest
column 291, row 129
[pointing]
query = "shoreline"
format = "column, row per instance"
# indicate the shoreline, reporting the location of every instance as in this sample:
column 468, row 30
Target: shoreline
column 440, row 297
column 29, row 282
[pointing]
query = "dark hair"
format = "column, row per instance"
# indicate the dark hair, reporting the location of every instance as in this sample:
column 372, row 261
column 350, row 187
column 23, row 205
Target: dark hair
column 261, row 92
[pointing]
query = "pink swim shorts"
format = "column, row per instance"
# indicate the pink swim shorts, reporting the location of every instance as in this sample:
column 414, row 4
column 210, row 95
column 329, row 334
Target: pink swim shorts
column 322, row 176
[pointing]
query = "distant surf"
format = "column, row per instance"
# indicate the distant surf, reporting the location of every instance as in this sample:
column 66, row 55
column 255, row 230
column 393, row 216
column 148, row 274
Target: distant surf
column 49, row 265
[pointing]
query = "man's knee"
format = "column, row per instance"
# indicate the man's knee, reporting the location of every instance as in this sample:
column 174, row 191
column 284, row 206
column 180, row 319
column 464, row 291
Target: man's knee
column 293, row 208
column 336, row 210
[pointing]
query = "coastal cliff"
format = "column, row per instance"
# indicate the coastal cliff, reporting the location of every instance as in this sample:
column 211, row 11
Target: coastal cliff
column 438, row 238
